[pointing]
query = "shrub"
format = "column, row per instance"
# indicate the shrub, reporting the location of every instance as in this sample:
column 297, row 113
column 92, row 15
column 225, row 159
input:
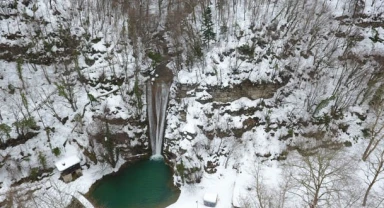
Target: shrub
column 11, row 89
column 4, row 132
column 366, row 132
column 156, row 57
column 290, row 132
column 23, row 126
column 56, row 151
column 197, row 51
column 348, row 144
column 42, row 160
column 246, row 50
column 34, row 173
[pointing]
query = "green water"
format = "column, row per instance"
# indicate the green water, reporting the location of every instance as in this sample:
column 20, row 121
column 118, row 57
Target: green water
column 145, row 184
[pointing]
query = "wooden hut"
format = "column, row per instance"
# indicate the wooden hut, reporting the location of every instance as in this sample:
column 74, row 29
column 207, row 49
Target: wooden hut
column 69, row 168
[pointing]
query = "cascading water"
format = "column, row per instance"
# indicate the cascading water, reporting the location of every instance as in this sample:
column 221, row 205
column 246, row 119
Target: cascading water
column 157, row 100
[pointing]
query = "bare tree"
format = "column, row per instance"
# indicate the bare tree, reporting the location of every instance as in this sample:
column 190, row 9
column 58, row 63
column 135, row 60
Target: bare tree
column 376, row 129
column 322, row 179
column 66, row 89
column 374, row 173
column 264, row 195
column 15, row 198
column 233, row 147
column 48, row 102
column 104, row 145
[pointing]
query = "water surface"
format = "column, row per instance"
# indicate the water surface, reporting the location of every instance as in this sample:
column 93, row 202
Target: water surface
column 145, row 184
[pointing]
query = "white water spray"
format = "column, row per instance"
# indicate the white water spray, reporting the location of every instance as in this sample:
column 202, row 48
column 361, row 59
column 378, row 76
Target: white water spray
column 157, row 100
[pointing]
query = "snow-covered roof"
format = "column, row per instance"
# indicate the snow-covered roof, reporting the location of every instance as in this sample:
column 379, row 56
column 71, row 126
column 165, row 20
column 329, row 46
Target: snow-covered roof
column 210, row 197
column 67, row 162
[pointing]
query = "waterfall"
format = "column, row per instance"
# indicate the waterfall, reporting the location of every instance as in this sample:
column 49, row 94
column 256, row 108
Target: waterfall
column 157, row 100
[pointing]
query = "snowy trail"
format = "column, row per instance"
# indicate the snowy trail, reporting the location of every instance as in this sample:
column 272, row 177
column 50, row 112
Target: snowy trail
column 83, row 200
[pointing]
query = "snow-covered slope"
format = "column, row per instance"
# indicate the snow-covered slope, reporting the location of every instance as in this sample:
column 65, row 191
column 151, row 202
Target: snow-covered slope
column 310, row 70
column 282, row 82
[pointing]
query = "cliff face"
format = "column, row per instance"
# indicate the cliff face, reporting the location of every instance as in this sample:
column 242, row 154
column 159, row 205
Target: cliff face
column 250, row 84
column 69, row 86
column 268, row 88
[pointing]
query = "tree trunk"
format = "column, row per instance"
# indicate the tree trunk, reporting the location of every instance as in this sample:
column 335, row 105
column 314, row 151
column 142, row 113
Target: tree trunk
column 367, row 193
column 378, row 170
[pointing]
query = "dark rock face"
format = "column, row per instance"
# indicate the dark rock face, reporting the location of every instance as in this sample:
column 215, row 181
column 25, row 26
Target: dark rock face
column 246, row 89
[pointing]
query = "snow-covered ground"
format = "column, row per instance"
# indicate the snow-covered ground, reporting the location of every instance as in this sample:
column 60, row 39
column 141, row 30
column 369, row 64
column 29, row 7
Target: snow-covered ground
column 55, row 49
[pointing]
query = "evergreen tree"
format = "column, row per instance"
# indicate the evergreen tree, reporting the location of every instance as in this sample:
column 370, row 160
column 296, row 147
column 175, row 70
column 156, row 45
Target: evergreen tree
column 207, row 29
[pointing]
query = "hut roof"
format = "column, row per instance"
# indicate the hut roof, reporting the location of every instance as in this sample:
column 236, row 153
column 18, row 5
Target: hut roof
column 67, row 162
column 210, row 197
